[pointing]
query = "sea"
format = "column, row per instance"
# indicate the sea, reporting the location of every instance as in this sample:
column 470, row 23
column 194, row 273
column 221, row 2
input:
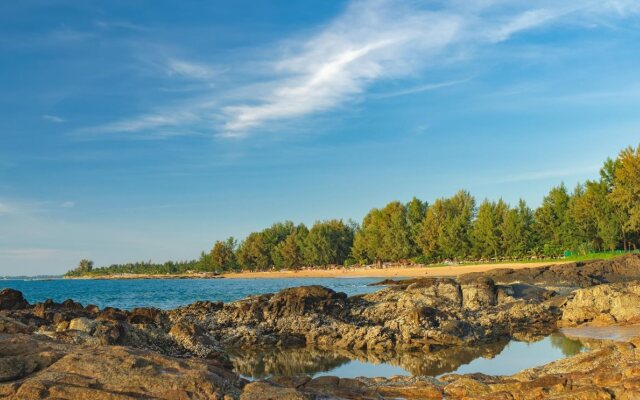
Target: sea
column 166, row 294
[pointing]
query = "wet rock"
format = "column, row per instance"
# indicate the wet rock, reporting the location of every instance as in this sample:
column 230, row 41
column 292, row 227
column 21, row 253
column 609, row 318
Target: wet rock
column 11, row 299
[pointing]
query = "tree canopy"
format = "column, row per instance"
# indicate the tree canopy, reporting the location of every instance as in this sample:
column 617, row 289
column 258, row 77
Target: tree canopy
column 597, row 215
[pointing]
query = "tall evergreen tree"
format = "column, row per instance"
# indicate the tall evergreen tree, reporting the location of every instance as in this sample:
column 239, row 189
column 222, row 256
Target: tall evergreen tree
column 486, row 233
column 517, row 231
column 223, row 256
column 416, row 211
column 551, row 225
column 328, row 242
column 289, row 253
column 626, row 192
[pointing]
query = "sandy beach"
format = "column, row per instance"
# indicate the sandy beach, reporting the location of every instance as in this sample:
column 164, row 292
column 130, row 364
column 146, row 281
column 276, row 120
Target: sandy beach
column 391, row 272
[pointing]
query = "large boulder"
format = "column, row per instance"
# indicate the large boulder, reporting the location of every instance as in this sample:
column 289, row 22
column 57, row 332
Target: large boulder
column 617, row 303
column 11, row 299
column 299, row 300
column 478, row 293
column 71, row 372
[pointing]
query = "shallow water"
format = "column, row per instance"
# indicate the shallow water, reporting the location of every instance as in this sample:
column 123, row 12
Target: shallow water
column 615, row 333
column 503, row 358
column 171, row 293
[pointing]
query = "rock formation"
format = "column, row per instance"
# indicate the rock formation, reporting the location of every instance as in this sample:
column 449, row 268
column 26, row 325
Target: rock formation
column 65, row 350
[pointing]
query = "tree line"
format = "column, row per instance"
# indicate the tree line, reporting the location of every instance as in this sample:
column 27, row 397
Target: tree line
column 597, row 215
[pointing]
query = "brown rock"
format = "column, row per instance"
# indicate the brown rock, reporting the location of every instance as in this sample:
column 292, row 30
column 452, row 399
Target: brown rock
column 266, row 391
column 11, row 299
column 604, row 305
column 106, row 372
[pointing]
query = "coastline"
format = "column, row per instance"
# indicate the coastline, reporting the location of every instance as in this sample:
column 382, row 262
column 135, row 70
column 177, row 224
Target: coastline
column 203, row 275
column 362, row 272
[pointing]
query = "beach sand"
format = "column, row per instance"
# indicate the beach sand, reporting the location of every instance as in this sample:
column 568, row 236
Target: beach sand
column 391, row 272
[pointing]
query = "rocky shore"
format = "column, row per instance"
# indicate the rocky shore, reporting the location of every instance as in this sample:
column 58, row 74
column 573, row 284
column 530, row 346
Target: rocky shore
column 71, row 351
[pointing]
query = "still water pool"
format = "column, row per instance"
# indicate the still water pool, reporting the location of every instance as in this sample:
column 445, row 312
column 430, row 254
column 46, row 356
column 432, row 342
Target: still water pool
column 503, row 358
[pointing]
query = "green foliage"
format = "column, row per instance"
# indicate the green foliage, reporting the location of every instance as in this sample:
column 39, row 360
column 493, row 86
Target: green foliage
column 148, row 267
column 416, row 210
column 223, row 256
column 385, row 235
column 551, row 222
column 84, row 267
column 328, row 243
column 486, row 234
column 600, row 215
column 517, row 233
column 289, row 253
column 626, row 191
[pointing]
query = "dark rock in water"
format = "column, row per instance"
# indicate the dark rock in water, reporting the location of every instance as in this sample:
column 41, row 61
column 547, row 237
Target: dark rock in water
column 12, row 300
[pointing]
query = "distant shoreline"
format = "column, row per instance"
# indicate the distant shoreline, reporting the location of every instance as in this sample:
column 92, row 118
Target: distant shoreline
column 203, row 275
column 361, row 272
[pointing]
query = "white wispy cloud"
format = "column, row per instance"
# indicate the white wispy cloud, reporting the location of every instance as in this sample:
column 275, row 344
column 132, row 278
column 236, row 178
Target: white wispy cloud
column 379, row 40
column 526, row 20
column 119, row 25
column 420, row 88
column 370, row 42
column 190, row 69
column 153, row 121
column 53, row 118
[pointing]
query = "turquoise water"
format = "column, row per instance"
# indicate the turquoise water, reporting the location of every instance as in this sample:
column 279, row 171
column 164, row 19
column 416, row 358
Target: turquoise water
column 171, row 293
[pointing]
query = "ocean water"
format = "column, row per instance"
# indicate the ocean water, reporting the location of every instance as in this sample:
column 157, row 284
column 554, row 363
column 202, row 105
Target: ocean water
column 171, row 293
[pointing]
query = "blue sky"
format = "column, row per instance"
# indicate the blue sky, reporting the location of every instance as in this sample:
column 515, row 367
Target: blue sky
column 137, row 130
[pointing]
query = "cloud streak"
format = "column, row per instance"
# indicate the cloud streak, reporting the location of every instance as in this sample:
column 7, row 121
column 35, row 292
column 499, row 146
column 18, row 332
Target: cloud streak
column 53, row 118
column 189, row 69
column 369, row 43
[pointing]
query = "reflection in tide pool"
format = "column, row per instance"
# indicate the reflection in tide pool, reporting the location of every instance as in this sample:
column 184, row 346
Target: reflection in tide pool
column 503, row 358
